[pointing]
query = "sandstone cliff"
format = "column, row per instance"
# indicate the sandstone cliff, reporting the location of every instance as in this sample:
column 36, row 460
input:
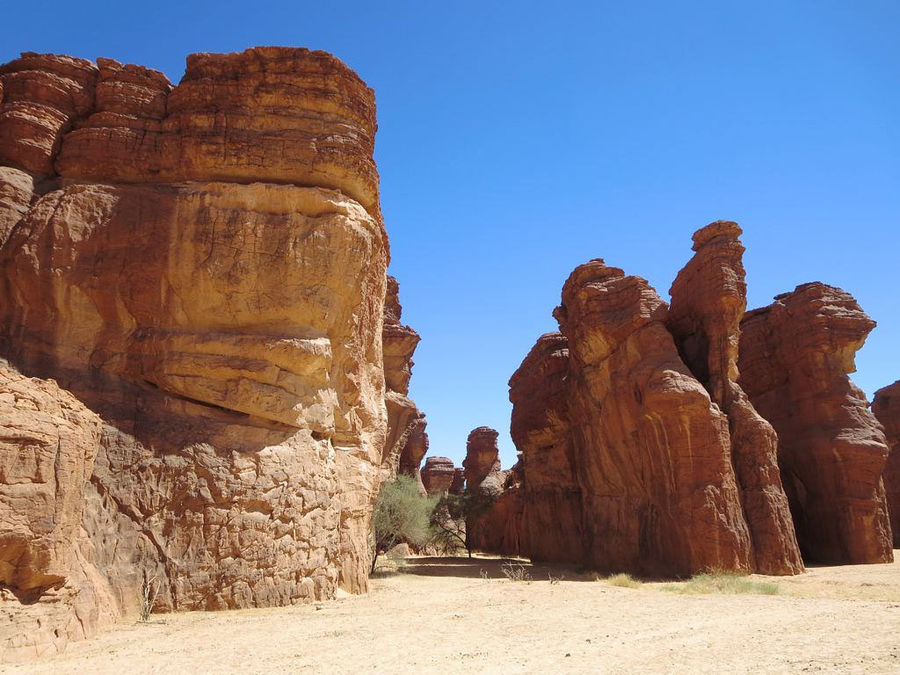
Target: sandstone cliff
column 438, row 475
column 203, row 266
column 794, row 359
column 886, row 407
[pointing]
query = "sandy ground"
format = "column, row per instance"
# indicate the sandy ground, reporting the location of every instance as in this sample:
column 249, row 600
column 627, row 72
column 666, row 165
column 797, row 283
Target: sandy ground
column 455, row 615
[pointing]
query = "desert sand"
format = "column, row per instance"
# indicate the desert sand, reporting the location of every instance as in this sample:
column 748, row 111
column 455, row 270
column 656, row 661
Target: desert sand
column 444, row 615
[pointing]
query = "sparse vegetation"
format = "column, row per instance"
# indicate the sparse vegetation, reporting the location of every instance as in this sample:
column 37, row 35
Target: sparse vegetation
column 149, row 591
column 401, row 514
column 449, row 520
column 725, row 583
column 554, row 580
column 516, row 572
column 622, row 580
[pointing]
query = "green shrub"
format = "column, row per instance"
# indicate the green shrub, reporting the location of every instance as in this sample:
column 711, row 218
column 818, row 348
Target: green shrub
column 401, row 514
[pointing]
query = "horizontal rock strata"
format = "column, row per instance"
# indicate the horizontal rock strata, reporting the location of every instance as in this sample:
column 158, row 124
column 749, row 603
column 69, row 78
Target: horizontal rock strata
column 202, row 266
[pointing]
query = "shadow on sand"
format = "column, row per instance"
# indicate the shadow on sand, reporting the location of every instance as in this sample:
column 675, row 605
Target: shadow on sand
column 489, row 568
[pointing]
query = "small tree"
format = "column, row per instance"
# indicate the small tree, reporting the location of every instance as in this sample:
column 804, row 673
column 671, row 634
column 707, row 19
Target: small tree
column 401, row 514
column 451, row 514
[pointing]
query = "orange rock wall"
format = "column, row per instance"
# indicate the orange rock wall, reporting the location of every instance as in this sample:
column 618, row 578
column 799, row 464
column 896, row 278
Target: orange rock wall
column 203, row 266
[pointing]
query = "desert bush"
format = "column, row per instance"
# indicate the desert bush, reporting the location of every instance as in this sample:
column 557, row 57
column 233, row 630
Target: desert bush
column 726, row 583
column 149, row 591
column 401, row 514
column 515, row 572
column 621, row 580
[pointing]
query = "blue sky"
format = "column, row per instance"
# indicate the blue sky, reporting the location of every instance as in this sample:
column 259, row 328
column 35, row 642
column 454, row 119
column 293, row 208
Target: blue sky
column 518, row 140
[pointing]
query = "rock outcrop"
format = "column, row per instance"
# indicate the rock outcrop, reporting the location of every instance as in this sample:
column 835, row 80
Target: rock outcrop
column 886, row 407
column 645, row 449
column 709, row 298
column 552, row 522
column 407, row 440
column 794, row 359
column 202, row 266
column 438, row 475
column 652, row 451
column 494, row 524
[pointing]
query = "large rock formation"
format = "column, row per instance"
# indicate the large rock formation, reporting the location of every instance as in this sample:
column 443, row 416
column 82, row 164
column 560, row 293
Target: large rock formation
column 552, row 523
column 652, row 450
column 886, row 407
column 438, row 475
column 204, row 267
column 709, row 298
column 641, row 451
column 795, row 355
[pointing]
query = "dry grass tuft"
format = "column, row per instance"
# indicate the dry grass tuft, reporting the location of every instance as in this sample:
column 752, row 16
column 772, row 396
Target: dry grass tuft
column 621, row 580
column 722, row 583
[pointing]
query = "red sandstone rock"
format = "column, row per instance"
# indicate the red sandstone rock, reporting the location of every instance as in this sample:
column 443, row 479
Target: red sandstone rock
column 42, row 94
column 539, row 391
column 886, row 407
column 709, row 298
column 482, row 460
column 437, row 475
column 652, row 451
column 236, row 363
column 794, row 359
column 458, row 486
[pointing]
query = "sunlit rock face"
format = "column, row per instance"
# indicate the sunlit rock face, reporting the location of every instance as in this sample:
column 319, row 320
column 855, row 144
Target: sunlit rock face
column 886, row 407
column 666, row 440
column 204, row 268
column 795, row 356
column 709, row 298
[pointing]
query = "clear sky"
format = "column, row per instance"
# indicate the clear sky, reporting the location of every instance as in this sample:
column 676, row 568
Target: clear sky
column 519, row 139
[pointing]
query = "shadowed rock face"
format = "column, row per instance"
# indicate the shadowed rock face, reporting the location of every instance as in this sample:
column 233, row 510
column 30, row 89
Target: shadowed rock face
column 886, row 407
column 498, row 527
column 794, row 359
column 407, row 440
column 709, row 297
column 539, row 391
column 227, row 327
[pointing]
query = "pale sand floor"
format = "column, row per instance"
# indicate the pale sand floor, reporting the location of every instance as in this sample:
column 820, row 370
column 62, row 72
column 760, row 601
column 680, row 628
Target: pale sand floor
column 441, row 616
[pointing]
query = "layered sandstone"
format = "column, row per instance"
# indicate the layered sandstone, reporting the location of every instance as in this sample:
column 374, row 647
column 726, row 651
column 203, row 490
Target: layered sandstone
column 709, row 298
column 438, row 475
column 794, row 359
column 407, row 440
column 886, row 407
column 204, row 267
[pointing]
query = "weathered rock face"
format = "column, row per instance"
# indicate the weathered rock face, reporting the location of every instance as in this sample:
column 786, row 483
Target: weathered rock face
column 458, row 486
column 641, row 451
column 794, row 359
column 407, row 439
column 438, row 475
column 652, row 451
column 227, row 328
column 709, row 297
column 539, row 391
column 482, row 462
column 886, row 407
